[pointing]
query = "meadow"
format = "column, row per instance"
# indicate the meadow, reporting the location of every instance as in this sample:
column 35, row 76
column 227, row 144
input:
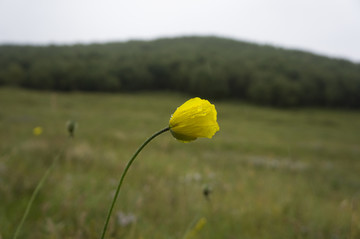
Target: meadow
column 273, row 173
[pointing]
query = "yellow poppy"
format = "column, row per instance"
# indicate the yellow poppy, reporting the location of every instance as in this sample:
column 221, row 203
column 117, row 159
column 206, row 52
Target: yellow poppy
column 194, row 119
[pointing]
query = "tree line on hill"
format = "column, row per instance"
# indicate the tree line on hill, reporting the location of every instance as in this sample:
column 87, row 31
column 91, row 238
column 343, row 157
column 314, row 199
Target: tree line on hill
column 210, row 67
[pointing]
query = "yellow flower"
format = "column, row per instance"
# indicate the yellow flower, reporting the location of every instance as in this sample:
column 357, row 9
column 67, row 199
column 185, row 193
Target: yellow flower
column 37, row 131
column 200, row 224
column 197, row 228
column 195, row 118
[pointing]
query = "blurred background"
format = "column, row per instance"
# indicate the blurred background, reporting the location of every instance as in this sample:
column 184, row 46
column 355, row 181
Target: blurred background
column 284, row 77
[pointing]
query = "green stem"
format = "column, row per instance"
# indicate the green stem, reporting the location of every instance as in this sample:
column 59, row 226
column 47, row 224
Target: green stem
column 35, row 193
column 123, row 176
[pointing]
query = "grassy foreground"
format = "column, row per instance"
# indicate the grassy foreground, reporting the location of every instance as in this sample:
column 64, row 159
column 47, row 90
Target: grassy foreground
column 273, row 173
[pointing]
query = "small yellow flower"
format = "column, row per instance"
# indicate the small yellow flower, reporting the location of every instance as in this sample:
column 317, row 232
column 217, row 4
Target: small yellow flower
column 193, row 119
column 196, row 229
column 200, row 224
column 37, row 131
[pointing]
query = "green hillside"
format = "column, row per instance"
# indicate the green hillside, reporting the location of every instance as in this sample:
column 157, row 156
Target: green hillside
column 205, row 66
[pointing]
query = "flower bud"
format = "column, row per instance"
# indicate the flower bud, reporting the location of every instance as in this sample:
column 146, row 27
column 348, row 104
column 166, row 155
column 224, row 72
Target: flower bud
column 195, row 118
column 71, row 126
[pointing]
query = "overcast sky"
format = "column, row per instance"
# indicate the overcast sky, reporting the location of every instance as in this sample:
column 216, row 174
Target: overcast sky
column 327, row 27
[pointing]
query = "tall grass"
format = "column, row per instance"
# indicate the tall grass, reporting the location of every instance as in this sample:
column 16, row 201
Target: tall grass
column 273, row 173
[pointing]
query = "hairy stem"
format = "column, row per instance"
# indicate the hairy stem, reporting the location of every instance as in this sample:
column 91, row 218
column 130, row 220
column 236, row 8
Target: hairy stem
column 123, row 176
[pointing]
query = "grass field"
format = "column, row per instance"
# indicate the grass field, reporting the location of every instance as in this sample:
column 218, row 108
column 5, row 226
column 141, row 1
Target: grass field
column 273, row 173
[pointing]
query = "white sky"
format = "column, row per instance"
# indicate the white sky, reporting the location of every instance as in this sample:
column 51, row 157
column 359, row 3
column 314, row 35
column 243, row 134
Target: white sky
column 327, row 27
